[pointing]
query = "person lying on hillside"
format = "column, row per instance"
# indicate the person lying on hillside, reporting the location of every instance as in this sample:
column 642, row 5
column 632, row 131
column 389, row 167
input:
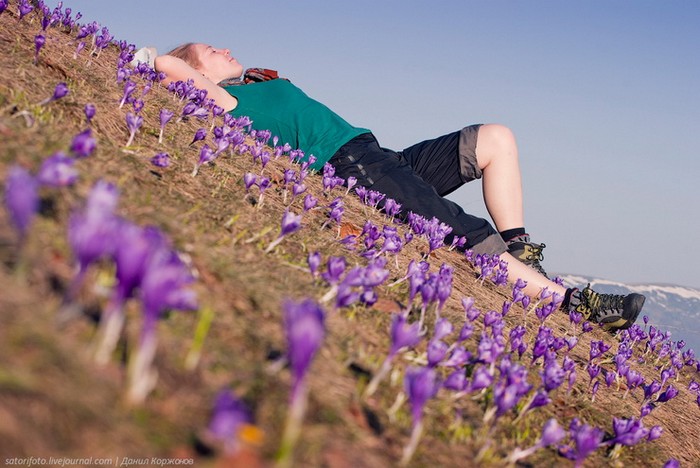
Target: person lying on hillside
column 417, row 177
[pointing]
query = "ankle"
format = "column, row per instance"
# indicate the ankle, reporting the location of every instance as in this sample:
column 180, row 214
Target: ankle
column 510, row 234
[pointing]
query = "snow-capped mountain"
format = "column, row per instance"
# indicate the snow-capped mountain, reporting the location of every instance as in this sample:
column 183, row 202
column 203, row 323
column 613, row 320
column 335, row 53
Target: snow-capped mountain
column 670, row 308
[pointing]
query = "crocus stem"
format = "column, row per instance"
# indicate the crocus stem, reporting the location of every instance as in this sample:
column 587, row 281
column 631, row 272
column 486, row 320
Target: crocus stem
column 518, row 454
column 422, row 317
column 378, row 377
column 410, row 448
column 111, row 325
column 142, row 378
column 274, row 244
column 293, row 427
column 205, row 318
column 330, row 294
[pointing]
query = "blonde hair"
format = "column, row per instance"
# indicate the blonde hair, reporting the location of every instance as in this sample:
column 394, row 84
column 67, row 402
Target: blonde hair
column 187, row 53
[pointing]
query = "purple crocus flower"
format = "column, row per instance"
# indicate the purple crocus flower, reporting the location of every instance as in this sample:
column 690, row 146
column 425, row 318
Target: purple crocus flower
column 3, row 5
column 456, row 381
column 403, row 335
column 553, row 376
column 133, row 123
column 334, row 269
column 586, row 440
column 39, row 41
column 290, row 223
column 458, row 358
column 133, row 247
column 249, row 180
column 60, row 91
column 165, row 116
column 161, row 160
column 24, row 8
column 129, row 87
column 57, row 171
column 83, row 144
column 90, row 111
column 437, row 350
column 471, row 312
column 309, row 202
column 165, row 285
column 199, row 135
column 443, row 328
column 481, row 378
column 305, row 330
column 552, row 434
column 228, row 417
column 314, row 261
column 21, row 199
column 670, row 393
column 91, row 232
column 466, row 332
column 79, row 48
column 206, row 154
column 420, row 384
column 628, row 432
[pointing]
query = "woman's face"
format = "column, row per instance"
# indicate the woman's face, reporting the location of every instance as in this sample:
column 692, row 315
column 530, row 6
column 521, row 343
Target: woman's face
column 217, row 64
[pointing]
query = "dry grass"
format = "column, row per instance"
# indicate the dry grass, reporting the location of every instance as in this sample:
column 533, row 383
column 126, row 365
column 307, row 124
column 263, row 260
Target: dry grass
column 55, row 402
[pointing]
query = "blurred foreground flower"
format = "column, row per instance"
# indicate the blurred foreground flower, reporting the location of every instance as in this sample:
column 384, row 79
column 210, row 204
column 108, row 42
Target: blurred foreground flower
column 161, row 160
column 21, row 199
column 133, row 245
column 91, row 232
column 164, row 286
column 421, row 384
column 305, row 330
column 83, row 144
column 229, row 422
column 57, row 171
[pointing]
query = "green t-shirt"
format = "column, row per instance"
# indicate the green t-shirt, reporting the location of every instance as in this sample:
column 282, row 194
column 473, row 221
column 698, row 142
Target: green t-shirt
column 287, row 112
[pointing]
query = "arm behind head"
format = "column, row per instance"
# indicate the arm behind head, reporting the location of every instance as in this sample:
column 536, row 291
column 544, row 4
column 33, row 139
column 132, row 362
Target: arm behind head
column 176, row 69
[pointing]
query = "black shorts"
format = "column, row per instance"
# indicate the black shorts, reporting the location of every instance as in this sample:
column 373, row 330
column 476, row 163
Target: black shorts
column 446, row 162
column 420, row 176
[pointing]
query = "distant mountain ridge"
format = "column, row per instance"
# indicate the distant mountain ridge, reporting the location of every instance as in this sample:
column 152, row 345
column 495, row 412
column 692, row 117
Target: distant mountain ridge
column 669, row 307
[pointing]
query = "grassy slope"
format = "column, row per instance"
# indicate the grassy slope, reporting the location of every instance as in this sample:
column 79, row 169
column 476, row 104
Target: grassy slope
column 55, row 402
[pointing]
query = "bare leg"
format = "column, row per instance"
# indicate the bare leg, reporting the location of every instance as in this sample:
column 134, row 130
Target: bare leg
column 497, row 156
column 535, row 281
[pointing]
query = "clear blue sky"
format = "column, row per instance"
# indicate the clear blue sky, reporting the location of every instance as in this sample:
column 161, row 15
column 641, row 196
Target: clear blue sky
column 603, row 96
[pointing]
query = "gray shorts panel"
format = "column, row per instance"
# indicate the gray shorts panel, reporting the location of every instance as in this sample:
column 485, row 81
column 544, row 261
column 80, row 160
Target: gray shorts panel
column 468, row 166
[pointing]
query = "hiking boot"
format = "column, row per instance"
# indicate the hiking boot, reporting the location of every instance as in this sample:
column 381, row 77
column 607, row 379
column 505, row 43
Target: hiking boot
column 614, row 312
column 527, row 252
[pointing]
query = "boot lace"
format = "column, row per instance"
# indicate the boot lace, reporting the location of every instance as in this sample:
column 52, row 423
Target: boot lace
column 600, row 306
column 535, row 256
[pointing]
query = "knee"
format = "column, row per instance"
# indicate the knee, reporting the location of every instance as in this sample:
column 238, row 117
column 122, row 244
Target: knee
column 495, row 141
column 497, row 134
